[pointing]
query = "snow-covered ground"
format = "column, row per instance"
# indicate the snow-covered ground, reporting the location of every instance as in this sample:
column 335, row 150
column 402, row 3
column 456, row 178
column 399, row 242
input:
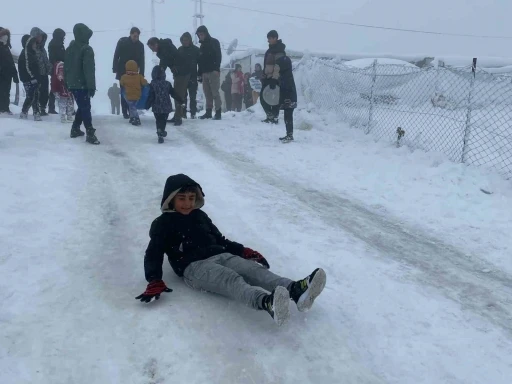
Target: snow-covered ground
column 418, row 258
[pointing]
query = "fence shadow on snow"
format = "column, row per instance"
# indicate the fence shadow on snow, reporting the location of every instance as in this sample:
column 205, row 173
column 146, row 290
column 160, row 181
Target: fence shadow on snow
column 465, row 113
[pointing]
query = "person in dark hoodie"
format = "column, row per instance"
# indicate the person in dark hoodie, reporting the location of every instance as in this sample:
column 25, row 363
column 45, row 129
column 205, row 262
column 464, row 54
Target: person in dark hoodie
column 45, row 68
column 191, row 52
column 159, row 100
column 177, row 62
column 80, row 78
column 29, row 74
column 198, row 252
column 128, row 48
column 56, row 52
column 278, row 72
column 8, row 71
column 210, row 58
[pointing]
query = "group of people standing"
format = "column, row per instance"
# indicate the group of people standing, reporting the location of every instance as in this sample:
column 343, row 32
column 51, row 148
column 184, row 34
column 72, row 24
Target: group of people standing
column 73, row 78
column 241, row 87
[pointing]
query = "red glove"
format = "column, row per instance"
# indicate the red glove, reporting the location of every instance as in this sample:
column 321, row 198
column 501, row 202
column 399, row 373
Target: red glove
column 153, row 291
column 250, row 254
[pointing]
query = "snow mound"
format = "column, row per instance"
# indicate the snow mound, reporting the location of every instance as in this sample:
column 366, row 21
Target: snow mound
column 365, row 63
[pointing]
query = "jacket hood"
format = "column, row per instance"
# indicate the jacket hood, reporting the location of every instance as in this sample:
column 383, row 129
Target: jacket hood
column 59, row 34
column 82, row 33
column 158, row 73
column 24, row 40
column 35, row 32
column 8, row 38
column 131, row 66
column 173, row 185
column 203, row 29
column 186, row 35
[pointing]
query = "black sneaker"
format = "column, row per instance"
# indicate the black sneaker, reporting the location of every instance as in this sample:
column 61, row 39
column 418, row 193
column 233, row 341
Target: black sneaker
column 270, row 120
column 277, row 305
column 286, row 139
column 160, row 140
column 178, row 122
column 136, row 122
column 305, row 291
column 207, row 115
column 218, row 115
column 76, row 132
column 43, row 113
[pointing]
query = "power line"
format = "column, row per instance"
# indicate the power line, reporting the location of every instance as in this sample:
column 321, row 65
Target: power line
column 359, row 25
column 98, row 31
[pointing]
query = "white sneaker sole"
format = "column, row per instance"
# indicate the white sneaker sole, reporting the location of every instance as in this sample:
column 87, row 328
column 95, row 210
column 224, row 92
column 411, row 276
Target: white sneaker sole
column 281, row 306
column 315, row 288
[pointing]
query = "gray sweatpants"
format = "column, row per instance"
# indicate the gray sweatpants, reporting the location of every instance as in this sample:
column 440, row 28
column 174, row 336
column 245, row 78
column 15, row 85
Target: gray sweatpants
column 234, row 277
column 211, row 89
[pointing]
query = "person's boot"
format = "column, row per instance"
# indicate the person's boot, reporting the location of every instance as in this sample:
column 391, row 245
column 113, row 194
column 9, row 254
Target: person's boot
column 161, row 136
column 218, row 114
column 193, row 116
column 207, row 115
column 271, row 120
column 53, row 112
column 178, row 121
column 91, row 137
column 43, row 112
column 37, row 117
column 286, row 139
column 277, row 305
column 23, row 116
column 305, row 291
column 76, row 131
column 136, row 122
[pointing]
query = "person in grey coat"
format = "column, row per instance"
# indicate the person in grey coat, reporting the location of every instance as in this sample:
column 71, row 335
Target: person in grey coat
column 114, row 94
column 207, row 261
column 45, row 67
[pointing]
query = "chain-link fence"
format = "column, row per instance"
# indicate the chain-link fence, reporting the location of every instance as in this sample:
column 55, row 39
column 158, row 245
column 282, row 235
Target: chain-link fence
column 465, row 113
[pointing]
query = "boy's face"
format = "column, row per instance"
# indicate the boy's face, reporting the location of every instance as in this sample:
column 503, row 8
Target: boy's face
column 201, row 36
column 272, row 40
column 184, row 203
column 135, row 37
column 153, row 47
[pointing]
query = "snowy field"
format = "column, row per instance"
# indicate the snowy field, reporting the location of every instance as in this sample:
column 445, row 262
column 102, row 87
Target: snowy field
column 418, row 258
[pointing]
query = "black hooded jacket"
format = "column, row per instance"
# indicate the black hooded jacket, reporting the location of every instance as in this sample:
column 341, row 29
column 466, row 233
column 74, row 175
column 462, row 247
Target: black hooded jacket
column 184, row 238
column 191, row 54
column 171, row 58
column 28, row 66
column 56, row 50
column 210, row 56
column 127, row 50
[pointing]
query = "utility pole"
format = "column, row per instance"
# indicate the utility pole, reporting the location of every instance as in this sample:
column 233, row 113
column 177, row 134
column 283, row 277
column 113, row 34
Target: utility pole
column 198, row 15
column 153, row 22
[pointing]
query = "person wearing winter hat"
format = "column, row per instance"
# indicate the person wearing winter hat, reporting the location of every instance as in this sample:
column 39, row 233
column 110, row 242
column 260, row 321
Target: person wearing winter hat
column 208, row 261
column 277, row 71
column 191, row 52
column 237, row 88
column 29, row 74
column 56, row 52
column 209, row 72
column 8, row 71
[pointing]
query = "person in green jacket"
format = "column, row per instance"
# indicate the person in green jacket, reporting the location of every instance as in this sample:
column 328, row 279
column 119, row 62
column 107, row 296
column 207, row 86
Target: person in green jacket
column 79, row 75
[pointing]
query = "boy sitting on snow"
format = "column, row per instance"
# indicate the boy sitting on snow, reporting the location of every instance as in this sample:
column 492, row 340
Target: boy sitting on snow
column 208, row 261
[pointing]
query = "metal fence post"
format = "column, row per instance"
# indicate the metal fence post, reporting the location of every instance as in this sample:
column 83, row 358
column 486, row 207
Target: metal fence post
column 370, row 114
column 467, row 130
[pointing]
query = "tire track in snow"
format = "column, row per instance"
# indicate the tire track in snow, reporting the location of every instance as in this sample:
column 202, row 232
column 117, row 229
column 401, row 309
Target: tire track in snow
column 474, row 284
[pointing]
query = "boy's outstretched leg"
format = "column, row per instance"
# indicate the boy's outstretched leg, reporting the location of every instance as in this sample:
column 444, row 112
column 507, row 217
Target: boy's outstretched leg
column 212, row 276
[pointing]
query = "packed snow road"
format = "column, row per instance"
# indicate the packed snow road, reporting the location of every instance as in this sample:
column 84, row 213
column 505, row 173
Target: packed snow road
column 400, row 306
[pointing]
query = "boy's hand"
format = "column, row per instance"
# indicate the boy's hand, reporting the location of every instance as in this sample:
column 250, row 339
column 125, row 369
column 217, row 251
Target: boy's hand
column 153, row 291
column 250, row 254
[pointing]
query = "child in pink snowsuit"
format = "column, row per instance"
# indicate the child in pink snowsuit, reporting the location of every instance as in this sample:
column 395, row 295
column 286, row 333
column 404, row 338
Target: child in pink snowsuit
column 66, row 102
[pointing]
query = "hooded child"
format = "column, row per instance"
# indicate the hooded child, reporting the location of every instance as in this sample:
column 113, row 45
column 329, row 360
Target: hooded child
column 132, row 82
column 208, row 261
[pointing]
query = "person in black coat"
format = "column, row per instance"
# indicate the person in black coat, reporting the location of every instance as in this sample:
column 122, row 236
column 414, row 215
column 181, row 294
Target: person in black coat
column 179, row 65
column 278, row 72
column 29, row 74
column 210, row 58
column 191, row 52
column 128, row 48
column 56, row 52
column 8, row 71
column 198, row 252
